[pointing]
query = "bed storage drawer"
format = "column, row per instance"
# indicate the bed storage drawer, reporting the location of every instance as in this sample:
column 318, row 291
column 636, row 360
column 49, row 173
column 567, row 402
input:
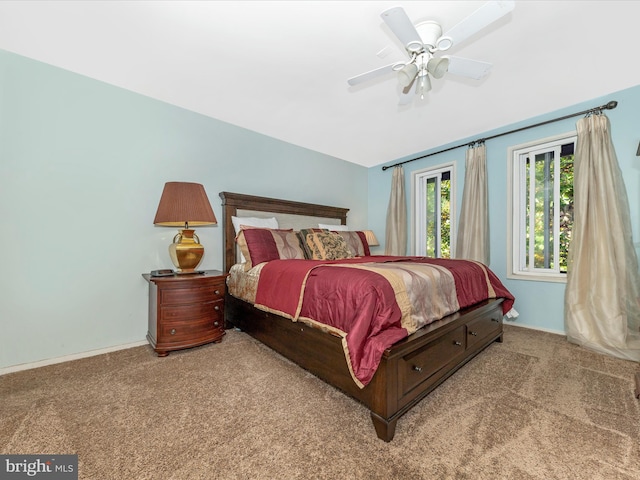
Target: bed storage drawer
column 478, row 330
column 416, row 367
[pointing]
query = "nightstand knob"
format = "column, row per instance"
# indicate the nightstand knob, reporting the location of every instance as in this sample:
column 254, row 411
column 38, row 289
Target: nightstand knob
column 217, row 292
column 173, row 331
column 416, row 368
column 216, row 307
column 475, row 334
column 215, row 324
column 457, row 343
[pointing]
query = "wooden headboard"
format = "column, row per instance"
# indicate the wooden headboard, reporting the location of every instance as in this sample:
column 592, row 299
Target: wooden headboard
column 232, row 203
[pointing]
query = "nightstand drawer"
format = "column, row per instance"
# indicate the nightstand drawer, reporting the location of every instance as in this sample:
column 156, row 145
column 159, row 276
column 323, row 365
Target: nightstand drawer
column 180, row 331
column 192, row 312
column 177, row 296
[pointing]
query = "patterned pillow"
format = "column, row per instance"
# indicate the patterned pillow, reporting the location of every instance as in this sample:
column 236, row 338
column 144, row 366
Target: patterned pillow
column 328, row 246
column 264, row 244
column 357, row 242
column 302, row 234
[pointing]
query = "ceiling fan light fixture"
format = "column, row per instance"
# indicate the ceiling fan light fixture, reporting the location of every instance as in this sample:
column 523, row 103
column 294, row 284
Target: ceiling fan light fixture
column 424, row 85
column 407, row 74
column 429, row 32
column 444, row 43
column 415, row 47
column 438, row 66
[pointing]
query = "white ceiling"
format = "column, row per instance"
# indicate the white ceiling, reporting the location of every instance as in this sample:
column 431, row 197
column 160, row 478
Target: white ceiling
column 280, row 67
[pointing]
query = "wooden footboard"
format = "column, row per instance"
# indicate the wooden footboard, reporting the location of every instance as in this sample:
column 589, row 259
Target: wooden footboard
column 409, row 370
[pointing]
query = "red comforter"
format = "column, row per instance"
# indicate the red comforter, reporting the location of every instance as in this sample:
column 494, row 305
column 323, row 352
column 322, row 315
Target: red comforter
column 373, row 302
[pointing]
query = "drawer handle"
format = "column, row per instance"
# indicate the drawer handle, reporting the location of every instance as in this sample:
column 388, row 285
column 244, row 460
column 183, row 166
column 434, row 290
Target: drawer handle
column 495, row 319
column 216, row 324
column 217, row 292
column 475, row 334
column 216, row 307
column 457, row 343
column 173, row 331
column 417, row 368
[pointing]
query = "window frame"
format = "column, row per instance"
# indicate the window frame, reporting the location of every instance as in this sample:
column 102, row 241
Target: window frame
column 419, row 217
column 516, row 202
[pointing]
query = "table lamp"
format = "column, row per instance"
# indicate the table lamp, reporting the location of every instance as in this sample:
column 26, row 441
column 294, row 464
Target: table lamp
column 185, row 205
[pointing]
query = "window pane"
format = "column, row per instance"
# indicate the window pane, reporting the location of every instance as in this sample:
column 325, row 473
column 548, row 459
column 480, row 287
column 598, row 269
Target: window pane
column 527, row 207
column 431, row 222
column 445, row 216
column 543, row 211
column 566, row 207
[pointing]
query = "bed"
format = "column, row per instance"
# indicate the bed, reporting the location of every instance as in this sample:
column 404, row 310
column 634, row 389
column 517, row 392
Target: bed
column 407, row 371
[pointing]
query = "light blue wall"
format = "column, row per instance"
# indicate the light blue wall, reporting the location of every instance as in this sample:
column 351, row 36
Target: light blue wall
column 82, row 167
column 540, row 304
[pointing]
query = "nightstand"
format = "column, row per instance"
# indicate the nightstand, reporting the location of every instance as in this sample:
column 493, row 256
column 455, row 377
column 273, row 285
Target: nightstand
column 185, row 310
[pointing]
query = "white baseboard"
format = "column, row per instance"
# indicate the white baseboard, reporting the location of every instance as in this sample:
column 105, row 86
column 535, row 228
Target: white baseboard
column 548, row 330
column 92, row 353
column 68, row 358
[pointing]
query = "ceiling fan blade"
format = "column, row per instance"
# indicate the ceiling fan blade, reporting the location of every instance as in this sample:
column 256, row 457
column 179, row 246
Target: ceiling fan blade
column 481, row 18
column 401, row 26
column 466, row 67
column 370, row 75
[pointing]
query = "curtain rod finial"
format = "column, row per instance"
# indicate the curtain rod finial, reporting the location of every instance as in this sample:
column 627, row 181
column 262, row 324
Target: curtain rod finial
column 611, row 105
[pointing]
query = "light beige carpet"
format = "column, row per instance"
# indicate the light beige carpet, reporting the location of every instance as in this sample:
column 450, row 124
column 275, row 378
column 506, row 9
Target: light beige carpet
column 533, row 407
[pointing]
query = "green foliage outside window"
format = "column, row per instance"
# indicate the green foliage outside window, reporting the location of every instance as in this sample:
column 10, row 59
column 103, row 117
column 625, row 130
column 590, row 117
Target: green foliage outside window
column 544, row 215
column 445, row 219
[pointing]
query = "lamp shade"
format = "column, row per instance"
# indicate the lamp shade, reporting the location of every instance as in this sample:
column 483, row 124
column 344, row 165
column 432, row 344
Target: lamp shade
column 184, row 203
column 407, row 74
column 438, row 66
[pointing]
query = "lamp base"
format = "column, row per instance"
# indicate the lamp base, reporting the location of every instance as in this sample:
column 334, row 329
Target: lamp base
column 186, row 251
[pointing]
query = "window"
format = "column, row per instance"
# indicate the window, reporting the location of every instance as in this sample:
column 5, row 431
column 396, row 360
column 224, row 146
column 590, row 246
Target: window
column 541, row 213
column 433, row 204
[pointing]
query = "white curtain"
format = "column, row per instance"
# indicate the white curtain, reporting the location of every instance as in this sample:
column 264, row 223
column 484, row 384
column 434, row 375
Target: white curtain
column 396, row 233
column 602, row 312
column 473, row 232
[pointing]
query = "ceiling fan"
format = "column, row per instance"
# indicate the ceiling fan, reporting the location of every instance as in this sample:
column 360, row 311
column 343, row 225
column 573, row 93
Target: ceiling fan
column 423, row 40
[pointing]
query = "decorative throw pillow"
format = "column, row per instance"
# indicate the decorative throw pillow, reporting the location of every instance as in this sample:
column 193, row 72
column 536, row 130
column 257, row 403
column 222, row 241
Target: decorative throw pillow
column 264, row 244
column 357, row 242
column 328, row 246
column 237, row 222
column 302, row 234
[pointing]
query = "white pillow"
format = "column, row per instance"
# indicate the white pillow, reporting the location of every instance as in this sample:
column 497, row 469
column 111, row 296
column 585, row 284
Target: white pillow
column 335, row 228
column 253, row 222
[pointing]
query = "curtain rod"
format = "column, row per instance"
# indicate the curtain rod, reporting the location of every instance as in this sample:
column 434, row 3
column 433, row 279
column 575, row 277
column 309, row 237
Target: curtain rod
column 609, row 106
